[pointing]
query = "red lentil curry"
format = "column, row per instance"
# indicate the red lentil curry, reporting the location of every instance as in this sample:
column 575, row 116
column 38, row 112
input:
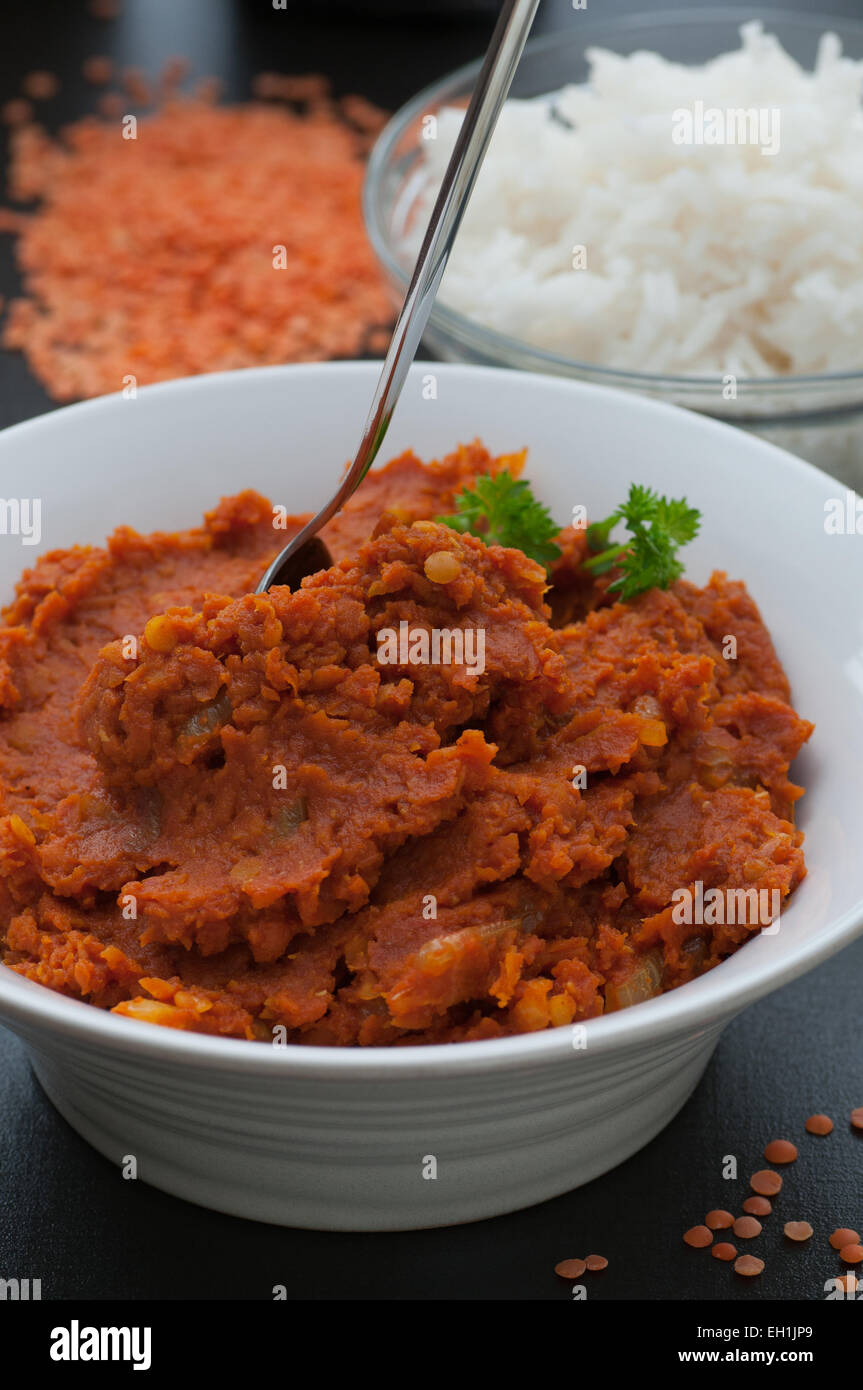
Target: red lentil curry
column 222, row 813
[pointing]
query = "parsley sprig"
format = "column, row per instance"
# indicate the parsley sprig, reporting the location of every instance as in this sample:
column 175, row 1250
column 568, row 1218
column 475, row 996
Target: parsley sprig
column 502, row 510
column 648, row 560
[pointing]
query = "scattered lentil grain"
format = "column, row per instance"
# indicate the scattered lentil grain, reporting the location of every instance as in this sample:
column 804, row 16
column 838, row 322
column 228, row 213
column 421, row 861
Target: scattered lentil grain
column 379, row 341
column 748, row 1265
column 174, row 71
column 209, row 90
column 819, row 1124
column 798, row 1230
column 780, row 1151
column 718, row 1220
column 41, row 86
column 112, row 105
column 304, row 87
column 135, row 83
column 724, row 1251
column 765, row 1182
column 851, row 1254
column 97, row 70
column 363, row 114
column 18, row 111
column 758, row 1206
column 747, row 1227
column 843, row 1235
column 698, row 1237
column 570, row 1269
column 596, row 1262
column 857, row 1117
column 266, row 86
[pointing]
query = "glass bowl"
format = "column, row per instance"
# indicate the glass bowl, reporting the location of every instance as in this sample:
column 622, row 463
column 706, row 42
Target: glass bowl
column 819, row 417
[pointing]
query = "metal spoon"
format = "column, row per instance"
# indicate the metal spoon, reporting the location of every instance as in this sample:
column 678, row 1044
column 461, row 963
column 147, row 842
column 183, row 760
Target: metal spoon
column 307, row 553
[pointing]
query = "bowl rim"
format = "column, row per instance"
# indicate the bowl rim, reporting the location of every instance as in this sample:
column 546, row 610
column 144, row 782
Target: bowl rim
column 475, row 335
column 693, row 1009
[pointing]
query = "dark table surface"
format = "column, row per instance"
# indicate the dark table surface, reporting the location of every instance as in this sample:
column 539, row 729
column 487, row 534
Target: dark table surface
column 66, row 1216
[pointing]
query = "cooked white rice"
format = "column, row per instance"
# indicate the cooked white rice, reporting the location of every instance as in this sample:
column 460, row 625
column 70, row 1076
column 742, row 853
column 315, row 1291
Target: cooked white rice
column 700, row 258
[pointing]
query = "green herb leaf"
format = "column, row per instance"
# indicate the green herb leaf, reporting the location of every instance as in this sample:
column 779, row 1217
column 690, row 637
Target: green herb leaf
column 659, row 526
column 502, row 510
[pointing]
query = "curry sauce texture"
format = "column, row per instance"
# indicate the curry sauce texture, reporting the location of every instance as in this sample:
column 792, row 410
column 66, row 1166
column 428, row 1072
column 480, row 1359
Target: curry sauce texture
column 224, row 812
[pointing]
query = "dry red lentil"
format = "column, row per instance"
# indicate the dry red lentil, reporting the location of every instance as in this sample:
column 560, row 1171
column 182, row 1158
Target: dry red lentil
column 851, row 1254
column 758, row 1206
column 819, row 1124
column 18, row 111
column 747, row 1227
column 724, row 1251
column 112, row 105
column 173, row 72
column 379, row 341
column 157, row 257
column 135, row 83
column 798, row 1230
column 301, row 87
column 765, row 1182
column 210, row 89
column 780, row 1151
column 97, row 70
column 363, row 114
column 570, row 1269
column 41, row 86
column 718, row 1219
column 698, row 1237
column 596, row 1262
column 748, row 1265
column 857, row 1117
column 844, row 1235
column 266, row 86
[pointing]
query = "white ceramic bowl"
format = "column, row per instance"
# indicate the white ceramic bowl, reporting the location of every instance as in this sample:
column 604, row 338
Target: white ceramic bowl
column 328, row 1138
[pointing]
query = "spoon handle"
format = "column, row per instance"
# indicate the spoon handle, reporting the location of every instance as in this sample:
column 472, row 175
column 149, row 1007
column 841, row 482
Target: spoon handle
column 492, row 85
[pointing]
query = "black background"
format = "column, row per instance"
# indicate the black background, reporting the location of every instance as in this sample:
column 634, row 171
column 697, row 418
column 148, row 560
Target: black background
column 68, row 1218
